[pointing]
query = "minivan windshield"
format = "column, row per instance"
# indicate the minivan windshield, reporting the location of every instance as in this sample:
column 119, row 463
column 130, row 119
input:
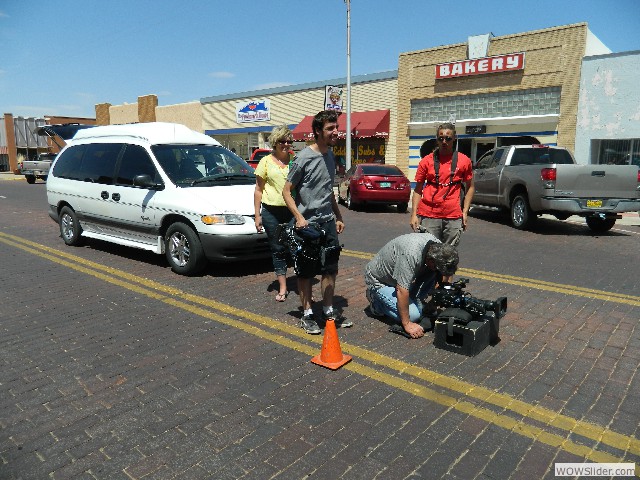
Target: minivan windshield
column 202, row 165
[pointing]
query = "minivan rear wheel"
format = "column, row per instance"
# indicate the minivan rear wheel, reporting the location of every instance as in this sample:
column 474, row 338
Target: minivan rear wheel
column 183, row 250
column 70, row 229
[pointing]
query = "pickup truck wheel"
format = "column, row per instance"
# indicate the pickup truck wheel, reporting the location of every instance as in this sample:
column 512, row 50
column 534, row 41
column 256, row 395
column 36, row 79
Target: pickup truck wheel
column 600, row 225
column 183, row 250
column 31, row 179
column 70, row 229
column 521, row 214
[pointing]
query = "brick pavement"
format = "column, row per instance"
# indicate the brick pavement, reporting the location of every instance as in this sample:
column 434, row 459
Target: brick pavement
column 102, row 381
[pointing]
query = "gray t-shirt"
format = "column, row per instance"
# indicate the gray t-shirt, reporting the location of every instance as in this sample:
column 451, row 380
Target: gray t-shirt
column 311, row 173
column 399, row 262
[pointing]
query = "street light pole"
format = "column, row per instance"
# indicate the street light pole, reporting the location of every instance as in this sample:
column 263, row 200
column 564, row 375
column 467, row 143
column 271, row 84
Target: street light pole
column 348, row 139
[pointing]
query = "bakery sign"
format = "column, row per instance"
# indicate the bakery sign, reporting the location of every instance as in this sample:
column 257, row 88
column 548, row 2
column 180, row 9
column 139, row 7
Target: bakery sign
column 480, row 66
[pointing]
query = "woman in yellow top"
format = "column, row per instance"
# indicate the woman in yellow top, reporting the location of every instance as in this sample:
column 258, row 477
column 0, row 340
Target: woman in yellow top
column 270, row 209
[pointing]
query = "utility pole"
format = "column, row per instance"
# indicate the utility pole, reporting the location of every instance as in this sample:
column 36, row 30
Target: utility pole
column 348, row 139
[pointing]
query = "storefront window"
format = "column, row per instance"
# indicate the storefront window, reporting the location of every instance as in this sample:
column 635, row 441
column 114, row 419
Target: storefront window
column 363, row 150
column 619, row 152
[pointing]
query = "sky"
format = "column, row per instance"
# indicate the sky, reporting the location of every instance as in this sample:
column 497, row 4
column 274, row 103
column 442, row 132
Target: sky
column 64, row 57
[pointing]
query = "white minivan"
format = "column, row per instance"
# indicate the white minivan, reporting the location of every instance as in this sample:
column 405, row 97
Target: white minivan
column 160, row 187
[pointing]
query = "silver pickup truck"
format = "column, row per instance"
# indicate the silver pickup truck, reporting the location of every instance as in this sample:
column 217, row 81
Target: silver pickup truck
column 39, row 168
column 529, row 180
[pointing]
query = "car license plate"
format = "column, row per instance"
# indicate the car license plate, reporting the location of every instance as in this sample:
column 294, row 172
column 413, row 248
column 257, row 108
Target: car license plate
column 385, row 184
column 594, row 203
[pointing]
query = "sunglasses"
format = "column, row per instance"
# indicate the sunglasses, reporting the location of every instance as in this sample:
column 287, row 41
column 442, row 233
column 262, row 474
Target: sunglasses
column 442, row 139
column 285, row 142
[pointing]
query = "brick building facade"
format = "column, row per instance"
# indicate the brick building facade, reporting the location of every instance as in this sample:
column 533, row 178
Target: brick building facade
column 536, row 101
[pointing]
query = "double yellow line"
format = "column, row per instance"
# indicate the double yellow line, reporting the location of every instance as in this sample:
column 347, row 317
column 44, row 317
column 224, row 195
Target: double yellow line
column 531, row 283
column 526, row 419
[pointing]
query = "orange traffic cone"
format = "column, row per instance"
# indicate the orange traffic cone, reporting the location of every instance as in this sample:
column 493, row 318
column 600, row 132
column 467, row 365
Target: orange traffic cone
column 331, row 355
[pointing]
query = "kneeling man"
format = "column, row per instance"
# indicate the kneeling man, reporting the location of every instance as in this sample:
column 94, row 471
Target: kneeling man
column 402, row 274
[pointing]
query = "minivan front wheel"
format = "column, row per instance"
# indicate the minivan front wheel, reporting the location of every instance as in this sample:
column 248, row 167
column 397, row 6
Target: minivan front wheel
column 183, row 250
column 70, row 229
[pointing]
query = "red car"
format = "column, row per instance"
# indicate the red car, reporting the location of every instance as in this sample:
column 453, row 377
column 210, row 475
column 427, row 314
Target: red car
column 256, row 155
column 375, row 183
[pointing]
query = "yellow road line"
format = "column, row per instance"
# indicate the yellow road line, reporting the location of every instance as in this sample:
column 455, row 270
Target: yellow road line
column 528, row 411
column 531, row 283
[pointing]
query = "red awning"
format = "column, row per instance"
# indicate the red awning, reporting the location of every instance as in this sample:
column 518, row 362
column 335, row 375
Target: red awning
column 363, row 125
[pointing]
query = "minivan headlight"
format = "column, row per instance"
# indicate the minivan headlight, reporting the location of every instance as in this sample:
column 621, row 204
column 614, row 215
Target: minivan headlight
column 227, row 219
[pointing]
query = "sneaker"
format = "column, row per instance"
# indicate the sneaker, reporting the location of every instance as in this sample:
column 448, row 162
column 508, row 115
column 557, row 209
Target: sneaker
column 309, row 325
column 339, row 319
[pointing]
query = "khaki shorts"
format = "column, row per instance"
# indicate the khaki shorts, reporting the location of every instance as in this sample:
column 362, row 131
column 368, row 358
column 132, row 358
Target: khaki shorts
column 446, row 230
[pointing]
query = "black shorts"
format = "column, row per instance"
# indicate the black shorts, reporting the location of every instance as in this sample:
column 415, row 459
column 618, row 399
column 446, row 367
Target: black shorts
column 332, row 248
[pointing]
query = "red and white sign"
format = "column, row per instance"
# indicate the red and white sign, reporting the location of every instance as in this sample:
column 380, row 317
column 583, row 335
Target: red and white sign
column 480, row 66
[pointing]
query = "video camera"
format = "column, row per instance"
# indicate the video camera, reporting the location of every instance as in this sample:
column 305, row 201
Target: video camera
column 452, row 295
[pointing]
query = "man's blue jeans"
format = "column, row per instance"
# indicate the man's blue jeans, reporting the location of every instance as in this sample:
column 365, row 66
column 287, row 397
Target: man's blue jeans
column 385, row 302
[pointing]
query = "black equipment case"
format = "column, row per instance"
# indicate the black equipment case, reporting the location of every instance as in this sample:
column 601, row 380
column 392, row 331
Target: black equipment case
column 456, row 330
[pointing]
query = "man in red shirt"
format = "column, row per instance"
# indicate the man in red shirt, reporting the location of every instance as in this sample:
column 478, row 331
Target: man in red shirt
column 437, row 206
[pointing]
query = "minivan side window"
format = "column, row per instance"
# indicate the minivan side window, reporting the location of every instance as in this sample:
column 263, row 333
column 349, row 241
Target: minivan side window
column 68, row 163
column 135, row 161
column 99, row 162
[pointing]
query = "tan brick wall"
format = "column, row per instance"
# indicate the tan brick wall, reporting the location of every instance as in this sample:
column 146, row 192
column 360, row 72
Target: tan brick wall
column 103, row 117
column 125, row 113
column 553, row 58
column 188, row 114
column 147, row 108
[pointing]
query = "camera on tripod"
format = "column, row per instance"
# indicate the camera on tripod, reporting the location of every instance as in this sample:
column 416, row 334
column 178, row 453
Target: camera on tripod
column 452, row 295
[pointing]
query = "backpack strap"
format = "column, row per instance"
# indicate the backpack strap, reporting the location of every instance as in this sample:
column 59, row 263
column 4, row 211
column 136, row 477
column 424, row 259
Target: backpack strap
column 454, row 164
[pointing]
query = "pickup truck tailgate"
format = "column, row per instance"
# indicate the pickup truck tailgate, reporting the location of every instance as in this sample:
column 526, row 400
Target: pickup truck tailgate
column 597, row 181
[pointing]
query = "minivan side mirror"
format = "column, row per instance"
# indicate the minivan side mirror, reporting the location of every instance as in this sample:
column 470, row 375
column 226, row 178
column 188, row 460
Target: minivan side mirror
column 145, row 181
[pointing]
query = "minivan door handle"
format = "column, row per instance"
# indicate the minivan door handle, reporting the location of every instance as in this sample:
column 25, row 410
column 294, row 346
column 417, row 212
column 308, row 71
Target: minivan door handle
column 104, row 194
column 116, row 197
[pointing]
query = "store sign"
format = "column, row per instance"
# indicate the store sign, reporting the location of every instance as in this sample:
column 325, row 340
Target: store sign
column 254, row 111
column 475, row 129
column 368, row 150
column 480, row 66
column 333, row 98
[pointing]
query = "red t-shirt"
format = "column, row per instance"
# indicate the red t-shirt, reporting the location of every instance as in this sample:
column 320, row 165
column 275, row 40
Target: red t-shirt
column 433, row 204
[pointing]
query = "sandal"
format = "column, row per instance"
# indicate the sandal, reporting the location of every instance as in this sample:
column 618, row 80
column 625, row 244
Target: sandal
column 281, row 297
